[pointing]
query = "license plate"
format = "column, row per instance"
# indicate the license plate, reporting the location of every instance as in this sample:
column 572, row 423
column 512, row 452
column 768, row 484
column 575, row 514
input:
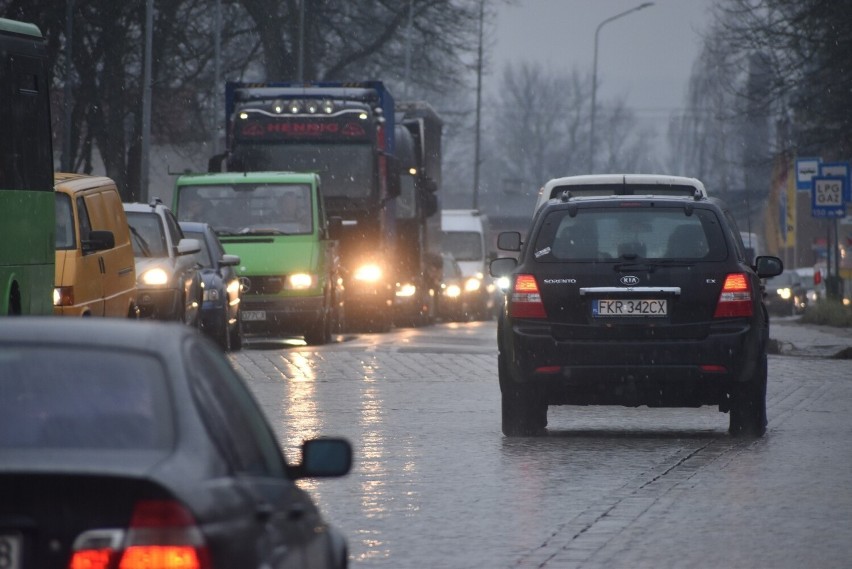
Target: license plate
column 253, row 315
column 10, row 551
column 629, row 307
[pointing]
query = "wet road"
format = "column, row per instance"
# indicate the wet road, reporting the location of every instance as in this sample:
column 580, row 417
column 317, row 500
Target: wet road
column 435, row 484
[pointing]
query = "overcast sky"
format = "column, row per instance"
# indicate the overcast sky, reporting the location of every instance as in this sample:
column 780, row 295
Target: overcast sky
column 645, row 56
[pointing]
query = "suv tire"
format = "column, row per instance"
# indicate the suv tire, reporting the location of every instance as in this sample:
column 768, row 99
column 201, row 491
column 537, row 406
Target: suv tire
column 524, row 412
column 748, row 405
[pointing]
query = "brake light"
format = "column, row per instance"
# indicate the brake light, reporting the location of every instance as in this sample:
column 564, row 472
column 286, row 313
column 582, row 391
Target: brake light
column 162, row 535
column 735, row 300
column 525, row 301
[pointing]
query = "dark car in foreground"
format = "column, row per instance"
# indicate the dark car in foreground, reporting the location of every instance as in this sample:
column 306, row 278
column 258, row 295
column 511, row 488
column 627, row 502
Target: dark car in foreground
column 136, row 444
column 632, row 299
column 220, row 307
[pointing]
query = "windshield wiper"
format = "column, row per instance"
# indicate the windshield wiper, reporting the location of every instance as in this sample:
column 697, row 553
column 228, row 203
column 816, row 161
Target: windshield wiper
column 143, row 245
column 261, row 231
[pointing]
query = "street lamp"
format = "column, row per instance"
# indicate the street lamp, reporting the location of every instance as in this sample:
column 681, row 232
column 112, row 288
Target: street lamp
column 595, row 79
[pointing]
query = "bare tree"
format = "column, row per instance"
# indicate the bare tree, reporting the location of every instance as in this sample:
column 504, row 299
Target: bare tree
column 541, row 128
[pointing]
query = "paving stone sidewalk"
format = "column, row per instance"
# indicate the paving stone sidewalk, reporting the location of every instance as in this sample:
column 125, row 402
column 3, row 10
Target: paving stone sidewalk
column 791, row 337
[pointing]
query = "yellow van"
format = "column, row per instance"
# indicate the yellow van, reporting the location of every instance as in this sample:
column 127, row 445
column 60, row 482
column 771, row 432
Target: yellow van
column 95, row 269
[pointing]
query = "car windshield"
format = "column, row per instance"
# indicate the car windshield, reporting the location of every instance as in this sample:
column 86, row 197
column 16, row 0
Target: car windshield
column 249, row 208
column 74, row 398
column 629, row 233
column 147, row 234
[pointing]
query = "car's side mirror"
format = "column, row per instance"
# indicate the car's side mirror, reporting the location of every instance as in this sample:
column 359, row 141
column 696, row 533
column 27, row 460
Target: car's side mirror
column 509, row 241
column 188, row 246
column 229, row 261
column 325, row 457
column 99, row 240
column 430, row 204
column 502, row 267
column 335, row 227
column 767, row 266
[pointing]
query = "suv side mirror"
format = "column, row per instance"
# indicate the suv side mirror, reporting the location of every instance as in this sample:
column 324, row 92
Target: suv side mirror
column 509, row 241
column 502, row 267
column 768, row 267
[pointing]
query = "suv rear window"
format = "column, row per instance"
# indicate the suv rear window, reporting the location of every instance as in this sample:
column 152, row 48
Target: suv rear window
column 73, row 398
column 626, row 233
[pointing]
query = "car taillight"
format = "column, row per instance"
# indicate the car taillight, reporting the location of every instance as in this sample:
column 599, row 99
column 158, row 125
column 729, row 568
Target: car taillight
column 162, row 535
column 525, row 301
column 735, row 300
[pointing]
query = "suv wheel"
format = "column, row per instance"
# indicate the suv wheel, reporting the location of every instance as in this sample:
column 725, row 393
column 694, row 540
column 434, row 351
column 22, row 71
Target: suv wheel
column 748, row 405
column 524, row 410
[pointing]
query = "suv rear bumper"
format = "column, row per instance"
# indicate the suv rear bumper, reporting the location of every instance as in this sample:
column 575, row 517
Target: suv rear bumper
column 670, row 372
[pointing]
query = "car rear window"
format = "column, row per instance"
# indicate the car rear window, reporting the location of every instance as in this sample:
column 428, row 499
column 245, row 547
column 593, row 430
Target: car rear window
column 630, row 232
column 75, row 398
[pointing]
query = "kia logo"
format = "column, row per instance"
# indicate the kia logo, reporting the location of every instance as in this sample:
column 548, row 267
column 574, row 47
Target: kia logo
column 629, row 280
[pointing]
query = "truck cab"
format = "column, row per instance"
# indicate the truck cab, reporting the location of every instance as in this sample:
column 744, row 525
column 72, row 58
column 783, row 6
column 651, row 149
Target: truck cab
column 276, row 223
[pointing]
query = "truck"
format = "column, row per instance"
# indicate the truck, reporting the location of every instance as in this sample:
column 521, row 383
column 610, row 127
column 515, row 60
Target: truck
column 288, row 248
column 379, row 177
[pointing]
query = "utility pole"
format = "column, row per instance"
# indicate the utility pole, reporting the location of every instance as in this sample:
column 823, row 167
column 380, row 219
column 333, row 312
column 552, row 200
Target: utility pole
column 478, row 108
column 146, row 103
column 67, row 158
column 595, row 81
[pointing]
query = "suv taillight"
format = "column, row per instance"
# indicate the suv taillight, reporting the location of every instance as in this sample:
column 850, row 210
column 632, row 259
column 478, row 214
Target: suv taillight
column 162, row 535
column 525, row 300
column 735, row 300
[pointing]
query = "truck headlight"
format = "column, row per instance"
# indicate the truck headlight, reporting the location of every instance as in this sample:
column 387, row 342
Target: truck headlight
column 472, row 284
column 369, row 273
column 300, row 281
column 453, row 291
column 784, row 293
column 406, row 290
column 154, row 277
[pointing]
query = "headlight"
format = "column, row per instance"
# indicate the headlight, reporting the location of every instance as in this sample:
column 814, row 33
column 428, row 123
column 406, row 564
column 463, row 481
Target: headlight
column 233, row 287
column 300, row 281
column 503, row 283
column 406, row 289
column 368, row 273
column 453, row 291
column 154, row 277
column 784, row 293
column 472, row 284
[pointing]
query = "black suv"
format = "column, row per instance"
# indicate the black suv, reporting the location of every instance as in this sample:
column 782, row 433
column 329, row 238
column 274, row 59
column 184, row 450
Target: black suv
column 627, row 299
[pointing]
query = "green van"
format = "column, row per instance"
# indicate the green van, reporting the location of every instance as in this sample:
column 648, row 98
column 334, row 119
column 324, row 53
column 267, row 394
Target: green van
column 276, row 223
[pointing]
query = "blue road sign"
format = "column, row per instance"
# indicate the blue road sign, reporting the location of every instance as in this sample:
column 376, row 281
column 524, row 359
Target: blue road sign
column 827, row 196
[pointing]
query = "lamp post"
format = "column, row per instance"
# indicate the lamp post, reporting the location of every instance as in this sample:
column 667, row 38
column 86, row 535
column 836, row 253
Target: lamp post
column 595, row 80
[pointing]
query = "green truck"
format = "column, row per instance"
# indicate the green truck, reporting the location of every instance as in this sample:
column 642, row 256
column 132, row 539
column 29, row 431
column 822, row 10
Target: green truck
column 276, row 223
